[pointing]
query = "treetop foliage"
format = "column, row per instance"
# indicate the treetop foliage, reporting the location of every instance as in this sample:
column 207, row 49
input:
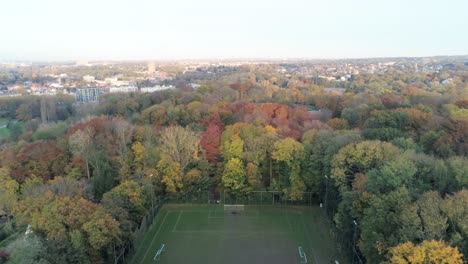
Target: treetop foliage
column 389, row 154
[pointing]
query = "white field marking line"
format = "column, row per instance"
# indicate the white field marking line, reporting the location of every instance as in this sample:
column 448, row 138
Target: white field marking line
column 308, row 238
column 177, row 221
column 152, row 241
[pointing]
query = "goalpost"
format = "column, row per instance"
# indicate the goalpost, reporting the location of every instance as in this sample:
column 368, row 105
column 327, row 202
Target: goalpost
column 302, row 255
column 157, row 257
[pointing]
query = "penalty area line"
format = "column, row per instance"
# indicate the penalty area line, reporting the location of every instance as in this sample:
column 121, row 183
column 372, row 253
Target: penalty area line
column 309, row 239
column 177, row 221
column 152, row 241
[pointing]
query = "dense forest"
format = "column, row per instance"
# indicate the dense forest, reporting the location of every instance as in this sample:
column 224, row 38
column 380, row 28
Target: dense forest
column 387, row 158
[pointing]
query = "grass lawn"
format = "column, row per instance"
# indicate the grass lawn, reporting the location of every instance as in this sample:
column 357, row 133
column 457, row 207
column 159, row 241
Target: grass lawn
column 259, row 234
column 4, row 132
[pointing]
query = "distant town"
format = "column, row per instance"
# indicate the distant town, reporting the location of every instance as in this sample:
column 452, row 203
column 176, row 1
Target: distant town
column 87, row 80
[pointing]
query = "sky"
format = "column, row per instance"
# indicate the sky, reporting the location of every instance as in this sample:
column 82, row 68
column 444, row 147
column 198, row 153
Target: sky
column 219, row 29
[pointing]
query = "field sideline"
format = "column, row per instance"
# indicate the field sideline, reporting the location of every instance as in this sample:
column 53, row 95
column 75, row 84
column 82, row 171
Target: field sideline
column 259, row 234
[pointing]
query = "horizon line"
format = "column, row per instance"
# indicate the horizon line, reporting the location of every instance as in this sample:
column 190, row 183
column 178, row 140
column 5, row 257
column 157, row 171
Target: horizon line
column 226, row 59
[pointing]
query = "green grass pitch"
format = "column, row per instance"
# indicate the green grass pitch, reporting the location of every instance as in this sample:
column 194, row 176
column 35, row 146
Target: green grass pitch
column 260, row 234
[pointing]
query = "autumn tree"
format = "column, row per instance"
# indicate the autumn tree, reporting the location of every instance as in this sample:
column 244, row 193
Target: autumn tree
column 233, row 147
column 338, row 123
column 24, row 113
column 139, row 151
column 234, row 176
column 68, row 219
column 170, row 174
column 429, row 251
column 210, row 142
column 123, row 134
column 9, row 190
column 132, row 194
column 45, row 159
column 180, row 144
column 253, row 175
column 240, row 87
column 291, row 153
column 80, row 144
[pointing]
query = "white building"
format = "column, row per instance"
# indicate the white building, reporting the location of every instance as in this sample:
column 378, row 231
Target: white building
column 156, row 88
column 89, row 78
column 123, row 89
column 151, row 67
column 195, row 86
column 111, row 80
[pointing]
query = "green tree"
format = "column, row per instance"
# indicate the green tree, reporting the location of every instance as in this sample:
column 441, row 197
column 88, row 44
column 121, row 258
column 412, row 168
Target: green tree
column 360, row 158
column 319, row 154
column 458, row 167
column 381, row 225
column 434, row 221
column 132, row 194
column 456, row 209
column 30, row 249
column 392, row 175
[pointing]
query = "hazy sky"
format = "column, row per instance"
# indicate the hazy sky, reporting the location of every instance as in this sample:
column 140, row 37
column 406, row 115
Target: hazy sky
column 178, row 29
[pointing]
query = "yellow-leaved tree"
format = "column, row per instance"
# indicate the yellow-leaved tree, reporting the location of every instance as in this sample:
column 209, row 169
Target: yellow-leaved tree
column 291, row 152
column 234, row 177
column 170, row 172
column 9, row 189
column 428, row 252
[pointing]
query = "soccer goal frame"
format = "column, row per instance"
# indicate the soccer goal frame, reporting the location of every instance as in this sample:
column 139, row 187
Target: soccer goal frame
column 158, row 254
column 302, row 255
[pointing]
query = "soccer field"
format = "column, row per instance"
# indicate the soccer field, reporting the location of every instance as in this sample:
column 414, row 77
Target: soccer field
column 259, row 234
